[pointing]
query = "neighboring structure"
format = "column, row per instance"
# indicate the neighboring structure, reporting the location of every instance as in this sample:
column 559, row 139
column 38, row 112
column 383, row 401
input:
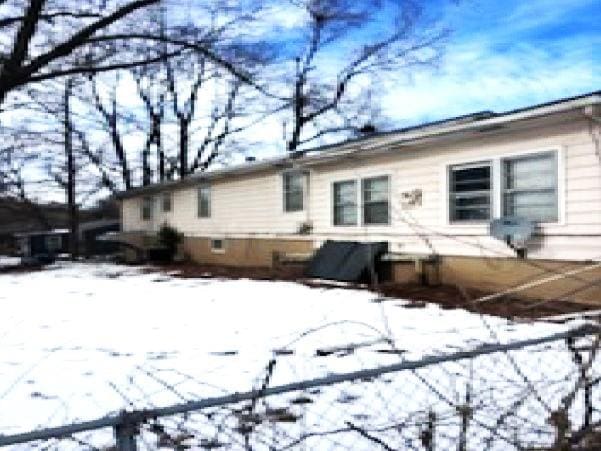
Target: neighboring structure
column 90, row 237
column 47, row 242
column 430, row 190
column 56, row 241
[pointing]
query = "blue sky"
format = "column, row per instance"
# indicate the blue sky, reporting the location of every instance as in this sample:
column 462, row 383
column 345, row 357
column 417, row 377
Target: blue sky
column 504, row 55
column 500, row 55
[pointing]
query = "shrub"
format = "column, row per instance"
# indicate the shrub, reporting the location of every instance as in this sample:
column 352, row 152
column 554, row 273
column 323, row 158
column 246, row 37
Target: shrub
column 170, row 237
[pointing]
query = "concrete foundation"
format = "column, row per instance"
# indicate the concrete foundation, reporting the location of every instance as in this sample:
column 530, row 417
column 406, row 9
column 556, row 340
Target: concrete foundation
column 485, row 274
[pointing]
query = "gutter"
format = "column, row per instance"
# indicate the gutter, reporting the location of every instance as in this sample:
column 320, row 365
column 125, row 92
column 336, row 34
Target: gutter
column 589, row 102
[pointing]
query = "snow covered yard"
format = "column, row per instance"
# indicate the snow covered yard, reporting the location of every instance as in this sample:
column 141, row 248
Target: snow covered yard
column 78, row 341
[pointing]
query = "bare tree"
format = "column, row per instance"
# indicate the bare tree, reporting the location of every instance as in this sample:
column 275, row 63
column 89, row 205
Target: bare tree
column 403, row 40
column 110, row 117
column 220, row 111
column 150, row 90
column 40, row 50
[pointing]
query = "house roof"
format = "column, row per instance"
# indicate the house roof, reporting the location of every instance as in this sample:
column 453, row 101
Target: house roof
column 481, row 121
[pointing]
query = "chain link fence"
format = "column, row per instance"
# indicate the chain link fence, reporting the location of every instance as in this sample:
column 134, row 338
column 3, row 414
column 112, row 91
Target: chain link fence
column 536, row 394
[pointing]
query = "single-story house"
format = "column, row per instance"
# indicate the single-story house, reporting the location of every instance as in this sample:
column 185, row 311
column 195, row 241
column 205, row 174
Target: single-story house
column 430, row 190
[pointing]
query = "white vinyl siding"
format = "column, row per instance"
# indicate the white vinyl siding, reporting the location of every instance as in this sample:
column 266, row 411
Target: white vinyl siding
column 345, row 203
column 470, row 188
column 204, row 202
column 530, row 187
column 293, row 191
column 375, row 200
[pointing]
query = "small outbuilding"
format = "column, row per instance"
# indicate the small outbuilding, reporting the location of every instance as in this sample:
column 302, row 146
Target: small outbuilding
column 48, row 242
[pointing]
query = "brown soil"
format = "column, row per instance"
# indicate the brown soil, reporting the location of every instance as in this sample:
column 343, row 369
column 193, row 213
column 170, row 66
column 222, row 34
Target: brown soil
column 192, row 271
column 446, row 296
column 507, row 307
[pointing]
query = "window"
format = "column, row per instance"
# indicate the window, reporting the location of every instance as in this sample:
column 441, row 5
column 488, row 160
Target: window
column 375, row 200
column 345, row 203
column 147, row 208
column 204, row 202
column 166, row 202
column 293, row 191
column 470, row 192
column 530, row 187
column 217, row 245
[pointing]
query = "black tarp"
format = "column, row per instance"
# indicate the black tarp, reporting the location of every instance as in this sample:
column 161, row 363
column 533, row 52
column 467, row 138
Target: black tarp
column 346, row 261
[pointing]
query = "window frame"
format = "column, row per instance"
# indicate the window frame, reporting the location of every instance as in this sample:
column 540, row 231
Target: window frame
column 199, row 212
column 492, row 196
column 147, row 204
column 217, row 250
column 497, row 186
column 388, row 204
column 164, row 196
column 285, row 192
column 530, row 156
column 356, row 203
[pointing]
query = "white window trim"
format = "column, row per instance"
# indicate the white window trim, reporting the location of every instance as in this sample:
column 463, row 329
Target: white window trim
column 496, row 200
column 217, row 250
column 359, row 199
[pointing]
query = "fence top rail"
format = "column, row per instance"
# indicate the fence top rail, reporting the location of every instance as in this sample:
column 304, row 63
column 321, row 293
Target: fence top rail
column 143, row 415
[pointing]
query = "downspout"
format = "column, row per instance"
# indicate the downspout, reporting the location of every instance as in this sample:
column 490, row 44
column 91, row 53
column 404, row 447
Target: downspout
column 593, row 114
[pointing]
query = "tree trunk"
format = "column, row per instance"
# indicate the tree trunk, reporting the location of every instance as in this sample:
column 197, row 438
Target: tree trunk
column 160, row 155
column 72, row 206
column 146, row 177
column 183, row 147
column 297, row 109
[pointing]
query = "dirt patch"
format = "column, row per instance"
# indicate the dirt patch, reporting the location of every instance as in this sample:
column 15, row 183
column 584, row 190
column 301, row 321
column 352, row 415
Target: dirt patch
column 447, row 296
column 507, row 307
column 194, row 271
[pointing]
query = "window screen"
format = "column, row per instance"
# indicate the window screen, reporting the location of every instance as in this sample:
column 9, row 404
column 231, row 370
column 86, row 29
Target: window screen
column 293, row 191
column 204, row 202
column 146, row 208
column 345, row 203
column 470, row 192
column 530, row 187
column 166, row 202
column 375, row 200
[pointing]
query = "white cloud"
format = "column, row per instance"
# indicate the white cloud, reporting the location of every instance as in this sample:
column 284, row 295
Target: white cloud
column 475, row 77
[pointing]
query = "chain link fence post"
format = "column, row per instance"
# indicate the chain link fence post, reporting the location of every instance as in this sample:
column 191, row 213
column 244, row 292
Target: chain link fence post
column 126, row 432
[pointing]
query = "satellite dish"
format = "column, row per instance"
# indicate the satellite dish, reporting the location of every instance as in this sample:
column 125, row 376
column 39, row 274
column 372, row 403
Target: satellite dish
column 513, row 230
